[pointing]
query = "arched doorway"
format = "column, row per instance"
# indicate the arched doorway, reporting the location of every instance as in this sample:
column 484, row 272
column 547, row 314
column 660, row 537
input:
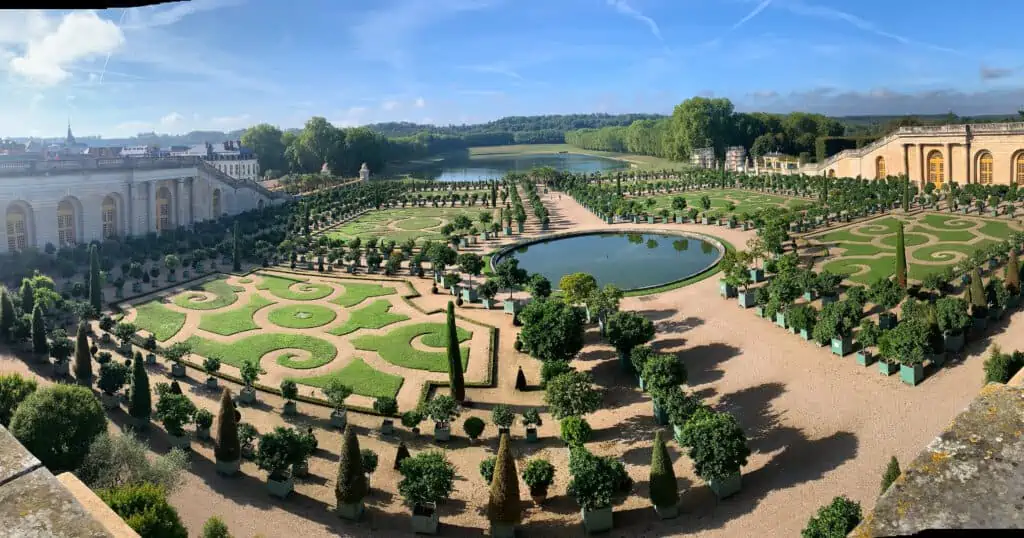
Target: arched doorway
column 880, row 168
column 936, row 168
column 18, row 226
column 163, row 209
column 67, row 234
column 109, row 213
column 985, row 168
column 217, row 211
column 1018, row 168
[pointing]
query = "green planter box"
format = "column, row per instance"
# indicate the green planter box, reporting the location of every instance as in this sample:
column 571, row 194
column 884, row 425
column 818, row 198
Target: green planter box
column 842, row 346
column 808, row 295
column 980, row 324
column 886, row 320
column 887, row 368
column 746, row 299
column 351, row 512
column 759, row 311
column 727, row 486
column 650, row 220
column 660, row 415
column 531, row 435
column 511, row 306
column 757, row 275
column 469, row 295
column 953, row 342
column 598, row 520
column 805, row 335
column 865, row 358
column 725, row 289
column 911, row 375
column 780, row 319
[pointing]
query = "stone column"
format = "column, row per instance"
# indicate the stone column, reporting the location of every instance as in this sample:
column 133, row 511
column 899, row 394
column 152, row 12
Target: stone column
column 906, row 160
column 967, row 160
column 924, row 171
column 128, row 210
column 182, row 202
column 949, row 162
column 151, row 219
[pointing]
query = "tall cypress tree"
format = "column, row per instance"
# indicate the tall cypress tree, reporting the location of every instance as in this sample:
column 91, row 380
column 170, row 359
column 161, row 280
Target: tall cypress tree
column 6, row 314
column 892, row 472
column 906, row 197
column 1013, row 272
column 28, row 296
column 901, row 257
column 95, row 285
column 236, row 248
column 228, row 448
column 351, row 483
column 455, row 377
column 504, row 505
column 39, row 343
column 140, row 407
column 83, row 359
column 664, row 490
column 494, row 194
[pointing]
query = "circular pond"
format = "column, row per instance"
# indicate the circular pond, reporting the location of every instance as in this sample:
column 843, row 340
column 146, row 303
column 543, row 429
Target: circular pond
column 627, row 260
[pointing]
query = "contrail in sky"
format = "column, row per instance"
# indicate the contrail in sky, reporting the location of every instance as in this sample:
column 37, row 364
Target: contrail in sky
column 107, row 60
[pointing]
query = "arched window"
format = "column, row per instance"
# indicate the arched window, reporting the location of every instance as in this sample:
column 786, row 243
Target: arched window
column 109, row 210
column 1018, row 168
column 66, row 223
column 17, row 228
column 880, row 168
column 985, row 169
column 163, row 209
column 936, row 168
column 217, row 212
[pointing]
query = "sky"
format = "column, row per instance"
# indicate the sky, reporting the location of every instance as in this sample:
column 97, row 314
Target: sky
column 229, row 64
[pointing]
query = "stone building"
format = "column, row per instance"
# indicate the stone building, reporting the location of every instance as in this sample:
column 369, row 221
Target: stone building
column 985, row 153
column 65, row 202
column 735, row 158
column 703, row 157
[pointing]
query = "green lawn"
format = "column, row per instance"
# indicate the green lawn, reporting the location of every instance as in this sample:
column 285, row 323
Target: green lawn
column 301, row 316
column 355, row 293
column 224, row 295
column 937, row 240
column 252, row 348
column 376, row 315
column 236, row 320
column 303, row 291
column 161, row 321
column 361, row 378
column 401, row 224
column 744, row 202
column 396, row 346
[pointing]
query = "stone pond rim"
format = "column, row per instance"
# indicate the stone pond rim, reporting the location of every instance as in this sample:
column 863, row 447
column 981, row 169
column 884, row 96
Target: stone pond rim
column 716, row 243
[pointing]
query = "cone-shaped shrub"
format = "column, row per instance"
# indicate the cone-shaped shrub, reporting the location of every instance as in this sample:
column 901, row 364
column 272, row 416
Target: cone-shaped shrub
column 1013, row 273
column 455, row 378
column 141, row 405
column 901, row 258
column 95, row 285
column 977, row 294
column 401, row 454
column 504, row 505
column 6, row 314
column 228, row 446
column 892, row 472
column 28, row 296
column 664, row 491
column 351, row 482
column 236, row 249
column 520, row 380
column 39, row 343
column 83, row 359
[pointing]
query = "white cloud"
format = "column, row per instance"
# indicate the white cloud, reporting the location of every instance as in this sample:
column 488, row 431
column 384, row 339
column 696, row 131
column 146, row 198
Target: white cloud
column 171, row 119
column 154, row 16
column 229, row 123
column 624, row 8
column 497, row 69
column 389, row 105
column 420, row 102
column 46, row 54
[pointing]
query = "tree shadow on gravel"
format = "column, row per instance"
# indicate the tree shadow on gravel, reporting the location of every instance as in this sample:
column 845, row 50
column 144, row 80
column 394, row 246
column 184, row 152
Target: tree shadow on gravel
column 679, row 325
column 658, row 315
column 702, row 361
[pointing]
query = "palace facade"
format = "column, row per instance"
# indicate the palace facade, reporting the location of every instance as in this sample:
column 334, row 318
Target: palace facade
column 66, row 202
column 985, row 153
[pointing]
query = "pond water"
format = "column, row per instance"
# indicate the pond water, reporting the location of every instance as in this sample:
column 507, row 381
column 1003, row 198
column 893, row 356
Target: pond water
column 476, row 169
column 628, row 260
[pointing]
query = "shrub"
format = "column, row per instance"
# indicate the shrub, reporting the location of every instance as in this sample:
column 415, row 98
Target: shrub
column 211, row 365
column 596, row 480
column 279, row 450
column 474, row 426
column 58, row 424
column 412, row 419
column 679, row 405
column 572, row 394
column 351, row 483
column 717, row 444
column 639, row 357
column 952, row 315
column 664, row 490
column 892, row 472
column 539, row 474
column 119, row 460
column 487, row 468
column 531, row 418
column 663, row 371
column 869, row 333
column 575, row 431
column 552, row 330
column 385, row 406
column 802, row 317
column 1001, row 367
column 13, row 390
column 834, row 520
column 427, row 477
column 906, row 343
column 886, row 293
column 552, row 369
column 113, row 376
column 175, row 411
column 337, row 391
column 627, row 330
column 502, row 416
column 215, row 528
column 145, row 509
column 203, row 419
column 369, row 459
column 228, row 446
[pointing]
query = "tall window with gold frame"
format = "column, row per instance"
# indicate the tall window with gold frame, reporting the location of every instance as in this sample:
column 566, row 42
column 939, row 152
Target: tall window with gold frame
column 936, row 168
column 880, row 172
column 17, row 229
column 109, row 218
column 66, row 224
column 985, row 169
column 1018, row 168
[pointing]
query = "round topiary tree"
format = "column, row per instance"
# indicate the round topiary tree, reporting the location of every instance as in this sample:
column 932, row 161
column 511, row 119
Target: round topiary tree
column 145, row 509
column 474, row 426
column 13, row 390
column 57, row 424
column 552, row 330
column 718, row 448
column 833, row 520
column 627, row 330
column 572, row 394
column 575, row 431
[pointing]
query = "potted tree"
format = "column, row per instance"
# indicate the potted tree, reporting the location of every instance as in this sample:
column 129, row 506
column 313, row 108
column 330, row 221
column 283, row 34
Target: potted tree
column 739, row 276
column 211, row 365
column 680, row 406
column 487, row 291
column 250, row 371
column 352, row 485
column 718, row 448
column 427, row 479
column 538, row 476
column 661, row 373
column 531, row 420
column 176, row 353
column 175, row 411
column 309, row 444
column 203, row 420
column 337, row 391
column 60, row 349
column 886, row 293
column 867, row 336
column 124, row 333
column 596, row 481
column 510, row 277
column 442, row 410
column 953, row 319
column 627, row 330
column 289, row 391
column 664, row 490
column 503, row 417
column 113, row 376
column 370, row 461
column 473, row 426
column 386, row 407
column 411, row 419
column 907, row 344
column 278, row 451
column 802, row 319
column 726, row 287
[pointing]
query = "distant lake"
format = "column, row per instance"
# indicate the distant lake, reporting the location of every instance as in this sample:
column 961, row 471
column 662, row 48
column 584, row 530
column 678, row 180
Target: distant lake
column 475, row 169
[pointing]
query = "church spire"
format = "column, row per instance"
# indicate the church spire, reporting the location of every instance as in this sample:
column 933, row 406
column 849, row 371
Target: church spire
column 71, row 138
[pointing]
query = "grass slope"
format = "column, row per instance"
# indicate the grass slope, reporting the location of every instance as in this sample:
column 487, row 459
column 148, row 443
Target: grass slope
column 159, row 320
column 376, row 315
column 396, row 346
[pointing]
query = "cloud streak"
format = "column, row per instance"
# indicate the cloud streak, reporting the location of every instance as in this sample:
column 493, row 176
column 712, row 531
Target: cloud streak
column 625, row 9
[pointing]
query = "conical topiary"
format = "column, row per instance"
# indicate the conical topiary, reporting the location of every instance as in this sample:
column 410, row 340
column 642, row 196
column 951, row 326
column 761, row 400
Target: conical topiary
column 401, row 454
column 228, row 447
column 901, row 257
column 83, row 359
column 977, row 294
column 1013, row 273
column 351, row 485
column 664, row 490
column 28, row 296
column 521, row 380
column 6, row 314
column 236, row 247
column 455, row 377
column 140, row 407
column 892, row 472
column 504, row 505
column 39, row 343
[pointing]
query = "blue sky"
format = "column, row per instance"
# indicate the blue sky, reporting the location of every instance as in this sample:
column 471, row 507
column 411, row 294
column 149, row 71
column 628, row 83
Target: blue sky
column 227, row 64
